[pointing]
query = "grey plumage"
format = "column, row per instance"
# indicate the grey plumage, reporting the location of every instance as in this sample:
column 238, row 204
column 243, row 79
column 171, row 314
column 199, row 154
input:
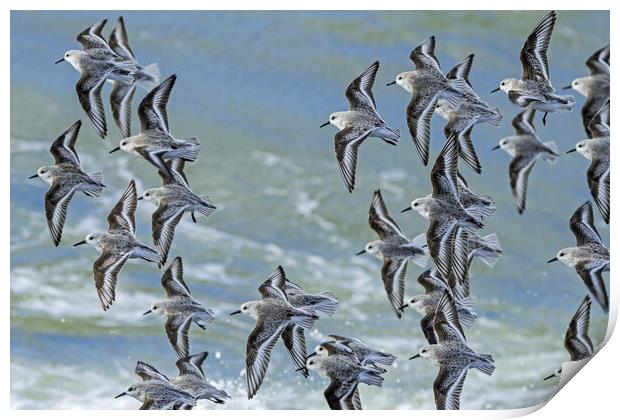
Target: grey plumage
column 117, row 245
column 192, row 379
column 589, row 257
column 180, row 308
column 66, row 177
column 360, row 122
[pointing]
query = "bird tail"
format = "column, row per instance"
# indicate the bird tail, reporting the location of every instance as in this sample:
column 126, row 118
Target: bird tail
column 454, row 94
column 204, row 317
column 419, row 242
column 304, row 317
column 147, row 253
column 189, row 151
column 488, row 249
column 148, row 77
column 485, row 364
column 125, row 72
column 370, row 376
column 328, row 304
column 207, row 208
column 552, row 155
column 94, row 189
column 495, row 117
column 381, row 358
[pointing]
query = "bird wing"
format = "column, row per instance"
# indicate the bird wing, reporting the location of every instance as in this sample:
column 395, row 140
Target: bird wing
column 577, row 341
column 192, row 364
column 393, row 274
column 119, row 41
column 423, row 56
column 582, row 225
column 523, row 123
column 164, row 222
column 598, row 126
column 105, row 270
column 534, row 52
column 88, row 89
column 172, row 280
column 295, row 342
column 359, row 92
column 120, row 102
column 275, row 285
column 123, row 214
column 598, row 63
column 419, row 114
column 380, row 220
column 91, row 38
column 519, row 172
column 447, row 325
column 346, row 143
column 152, row 109
column 592, row 276
column 448, row 386
column 177, row 330
column 57, row 201
column 431, row 281
column 599, row 183
column 149, row 373
column 63, row 148
column 260, row 344
column 444, row 172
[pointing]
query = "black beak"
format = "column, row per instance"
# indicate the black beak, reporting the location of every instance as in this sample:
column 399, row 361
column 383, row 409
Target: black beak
column 147, row 312
column 393, row 82
column 414, row 357
column 494, row 90
column 122, row 394
column 554, row 259
column 59, row 61
column 407, row 209
column 363, row 251
column 311, row 354
column 116, row 149
column 236, row 312
column 140, row 198
column 79, row 243
column 402, row 308
column 571, row 151
column 301, row 368
column 324, row 124
column 549, row 377
column 33, row 176
column 496, row 147
column 566, row 88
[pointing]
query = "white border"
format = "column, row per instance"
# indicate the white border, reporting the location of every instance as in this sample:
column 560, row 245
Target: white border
column 593, row 394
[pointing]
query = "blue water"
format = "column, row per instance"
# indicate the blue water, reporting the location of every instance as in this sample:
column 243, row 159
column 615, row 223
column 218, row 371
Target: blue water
column 254, row 87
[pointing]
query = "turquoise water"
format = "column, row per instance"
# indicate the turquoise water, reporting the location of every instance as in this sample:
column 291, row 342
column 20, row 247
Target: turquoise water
column 254, row 87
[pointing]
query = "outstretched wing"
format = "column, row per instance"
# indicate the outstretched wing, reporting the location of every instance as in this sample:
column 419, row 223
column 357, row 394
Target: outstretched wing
column 582, row 225
column 63, row 148
column 152, row 109
column 423, row 56
column 577, row 341
column 523, row 123
column 359, row 92
column 380, row 220
column 534, row 52
column 447, row 324
column 123, row 215
column 346, row 142
column 172, row 280
column 91, row 38
column 119, row 41
column 598, row 63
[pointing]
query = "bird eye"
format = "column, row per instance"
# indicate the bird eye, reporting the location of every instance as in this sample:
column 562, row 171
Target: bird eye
column 576, row 83
column 400, row 77
column 502, row 84
column 332, row 118
column 310, row 363
column 415, row 204
column 67, row 55
column 561, row 254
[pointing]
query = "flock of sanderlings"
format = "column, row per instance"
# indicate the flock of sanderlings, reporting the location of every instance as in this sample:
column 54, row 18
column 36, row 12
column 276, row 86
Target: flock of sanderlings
column 285, row 309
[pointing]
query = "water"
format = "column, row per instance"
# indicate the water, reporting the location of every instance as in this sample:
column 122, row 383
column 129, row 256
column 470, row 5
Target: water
column 254, row 87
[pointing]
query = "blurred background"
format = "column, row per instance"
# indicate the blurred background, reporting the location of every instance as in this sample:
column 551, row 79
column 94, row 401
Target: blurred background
column 254, row 87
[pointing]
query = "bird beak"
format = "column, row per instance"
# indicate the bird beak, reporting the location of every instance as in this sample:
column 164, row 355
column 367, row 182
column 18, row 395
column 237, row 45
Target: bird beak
column 116, row 149
column 324, row 124
column 549, row 377
column 140, row 198
column 496, row 147
column 301, row 368
column 59, row 61
column 414, row 357
column 402, row 308
column 494, row 90
column 33, row 176
column 571, row 151
column 79, row 243
column 393, row 82
column 238, row 311
column 554, row 259
column 311, row 354
column 363, row 251
column 147, row 312
column 407, row 209
column 122, row 394
column 566, row 88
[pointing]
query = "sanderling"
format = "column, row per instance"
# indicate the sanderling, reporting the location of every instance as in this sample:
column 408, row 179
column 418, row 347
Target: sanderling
column 358, row 123
column 117, row 245
column 97, row 62
column 534, row 89
column 345, row 376
column 174, row 198
column 179, row 308
column 478, row 206
column 453, row 355
column 461, row 119
column 525, row 148
column 154, row 142
column 365, row 354
column 155, row 392
column 65, row 177
column 122, row 93
column 590, row 257
column 596, row 150
column 594, row 87
column 395, row 249
column 293, row 336
column 427, row 84
column 577, row 341
column 426, row 304
column 192, row 379
column 450, row 224
column 273, row 313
